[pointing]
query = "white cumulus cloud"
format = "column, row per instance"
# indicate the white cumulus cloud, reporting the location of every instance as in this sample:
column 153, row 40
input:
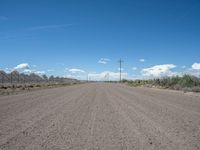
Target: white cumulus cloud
column 103, row 60
column 196, row 66
column 22, row 66
column 159, row 70
column 75, row 70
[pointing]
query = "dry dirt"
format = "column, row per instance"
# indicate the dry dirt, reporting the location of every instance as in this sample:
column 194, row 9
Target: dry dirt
column 100, row 116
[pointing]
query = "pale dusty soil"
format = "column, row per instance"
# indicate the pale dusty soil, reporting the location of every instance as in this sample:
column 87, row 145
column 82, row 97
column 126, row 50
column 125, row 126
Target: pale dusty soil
column 100, row 116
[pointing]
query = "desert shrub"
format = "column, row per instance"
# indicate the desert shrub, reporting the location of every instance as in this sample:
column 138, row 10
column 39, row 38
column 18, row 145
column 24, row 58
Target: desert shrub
column 189, row 81
column 186, row 83
column 156, row 82
column 124, row 81
column 164, row 82
column 31, row 86
column 4, row 87
column 196, row 89
column 173, row 81
column 187, row 89
column 19, row 86
column 176, row 87
column 38, row 85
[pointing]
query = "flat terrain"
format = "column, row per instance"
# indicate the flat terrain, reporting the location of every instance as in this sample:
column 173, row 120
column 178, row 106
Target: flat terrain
column 100, row 116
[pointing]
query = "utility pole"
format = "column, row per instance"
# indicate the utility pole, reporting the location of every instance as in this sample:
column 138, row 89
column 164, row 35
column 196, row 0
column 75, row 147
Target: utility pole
column 2, row 77
column 11, row 78
column 120, row 69
column 87, row 77
column 2, row 80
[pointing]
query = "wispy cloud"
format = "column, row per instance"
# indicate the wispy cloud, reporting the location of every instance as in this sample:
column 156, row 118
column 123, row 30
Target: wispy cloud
column 183, row 67
column 50, row 70
column 103, row 61
column 142, row 60
column 134, row 68
column 76, row 73
column 34, row 66
column 75, row 70
column 50, row 27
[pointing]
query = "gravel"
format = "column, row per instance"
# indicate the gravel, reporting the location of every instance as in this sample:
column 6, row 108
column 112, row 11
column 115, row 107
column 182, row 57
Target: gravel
column 100, row 116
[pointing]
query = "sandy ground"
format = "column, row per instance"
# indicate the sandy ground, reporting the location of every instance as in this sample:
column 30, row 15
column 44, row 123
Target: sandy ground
column 100, row 116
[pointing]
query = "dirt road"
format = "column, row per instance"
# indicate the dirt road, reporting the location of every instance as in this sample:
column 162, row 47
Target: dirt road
column 100, row 116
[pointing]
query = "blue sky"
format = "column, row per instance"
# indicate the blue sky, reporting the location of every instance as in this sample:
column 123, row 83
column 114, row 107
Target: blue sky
column 75, row 37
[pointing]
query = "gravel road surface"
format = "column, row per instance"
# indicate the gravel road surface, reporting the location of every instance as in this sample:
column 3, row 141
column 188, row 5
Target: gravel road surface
column 100, row 116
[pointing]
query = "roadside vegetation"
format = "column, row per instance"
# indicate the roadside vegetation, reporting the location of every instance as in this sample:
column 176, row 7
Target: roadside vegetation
column 187, row 83
column 15, row 82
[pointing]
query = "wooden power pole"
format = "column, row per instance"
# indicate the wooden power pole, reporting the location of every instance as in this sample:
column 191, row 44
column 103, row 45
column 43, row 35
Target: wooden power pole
column 120, row 69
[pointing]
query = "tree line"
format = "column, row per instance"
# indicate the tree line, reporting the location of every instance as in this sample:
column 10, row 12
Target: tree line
column 16, row 77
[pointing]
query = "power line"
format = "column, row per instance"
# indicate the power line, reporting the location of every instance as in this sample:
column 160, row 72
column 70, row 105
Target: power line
column 120, row 69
